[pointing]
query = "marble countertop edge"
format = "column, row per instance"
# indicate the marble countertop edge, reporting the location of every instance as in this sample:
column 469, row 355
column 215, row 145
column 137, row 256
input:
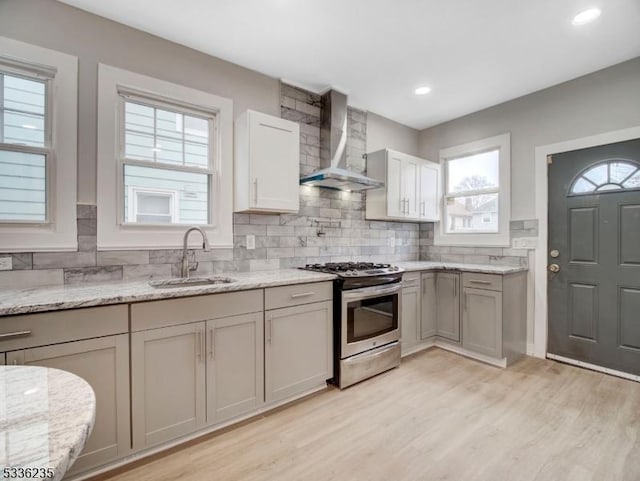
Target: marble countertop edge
column 53, row 298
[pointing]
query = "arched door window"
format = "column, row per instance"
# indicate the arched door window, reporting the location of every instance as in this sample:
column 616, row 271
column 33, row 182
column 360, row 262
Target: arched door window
column 605, row 176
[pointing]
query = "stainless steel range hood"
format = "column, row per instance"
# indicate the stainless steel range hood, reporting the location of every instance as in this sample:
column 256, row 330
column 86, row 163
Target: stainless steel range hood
column 333, row 150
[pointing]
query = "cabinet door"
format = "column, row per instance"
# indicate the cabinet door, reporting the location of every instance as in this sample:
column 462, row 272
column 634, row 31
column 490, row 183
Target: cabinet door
column 428, row 304
column 429, row 191
column 396, row 205
column 274, row 162
column 410, row 312
column 482, row 321
column 448, row 305
column 411, row 183
column 298, row 349
column 104, row 364
column 235, row 366
column 168, row 383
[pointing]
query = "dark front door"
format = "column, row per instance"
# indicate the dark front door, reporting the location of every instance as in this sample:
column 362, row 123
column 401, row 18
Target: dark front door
column 594, row 241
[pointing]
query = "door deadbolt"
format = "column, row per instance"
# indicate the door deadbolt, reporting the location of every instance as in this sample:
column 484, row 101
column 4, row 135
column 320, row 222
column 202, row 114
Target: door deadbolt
column 554, row 268
column 554, row 253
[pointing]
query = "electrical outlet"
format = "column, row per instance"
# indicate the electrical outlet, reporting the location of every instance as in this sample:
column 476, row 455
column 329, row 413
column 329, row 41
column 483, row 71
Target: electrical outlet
column 251, row 242
column 392, row 241
column 525, row 243
column 6, row 263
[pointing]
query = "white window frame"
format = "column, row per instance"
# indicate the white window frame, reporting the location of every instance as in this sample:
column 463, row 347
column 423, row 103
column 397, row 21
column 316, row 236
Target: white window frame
column 60, row 71
column 501, row 238
column 172, row 194
column 113, row 233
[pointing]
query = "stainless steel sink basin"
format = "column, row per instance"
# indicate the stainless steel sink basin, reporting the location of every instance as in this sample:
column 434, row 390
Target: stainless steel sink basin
column 191, row 281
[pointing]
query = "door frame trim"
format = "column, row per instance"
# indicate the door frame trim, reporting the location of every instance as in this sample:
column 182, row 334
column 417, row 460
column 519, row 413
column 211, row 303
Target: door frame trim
column 540, row 327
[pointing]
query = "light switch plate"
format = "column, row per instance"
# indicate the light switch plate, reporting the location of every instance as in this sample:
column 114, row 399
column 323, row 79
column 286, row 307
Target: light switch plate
column 251, row 242
column 6, row 263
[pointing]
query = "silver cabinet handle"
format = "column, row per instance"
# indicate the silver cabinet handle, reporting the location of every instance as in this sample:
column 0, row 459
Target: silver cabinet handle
column 484, row 283
column 409, row 281
column 255, row 190
column 464, row 301
column 9, row 335
column 455, row 287
column 303, row 294
column 198, row 346
column 203, row 340
column 269, row 326
column 211, row 342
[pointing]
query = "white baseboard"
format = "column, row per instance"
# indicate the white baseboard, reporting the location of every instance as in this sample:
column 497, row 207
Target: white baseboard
column 473, row 355
column 593, row 367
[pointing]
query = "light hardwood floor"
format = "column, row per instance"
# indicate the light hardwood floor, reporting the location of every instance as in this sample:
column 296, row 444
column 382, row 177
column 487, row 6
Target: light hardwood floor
column 437, row 417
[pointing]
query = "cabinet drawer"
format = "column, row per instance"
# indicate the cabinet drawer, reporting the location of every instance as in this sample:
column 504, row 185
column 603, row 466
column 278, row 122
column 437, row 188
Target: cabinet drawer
column 285, row 296
column 31, row 330
column 172, row 312
column 411, row 279
column 492, row 282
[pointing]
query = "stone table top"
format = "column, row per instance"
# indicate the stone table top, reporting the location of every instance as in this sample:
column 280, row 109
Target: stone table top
column 46, row 417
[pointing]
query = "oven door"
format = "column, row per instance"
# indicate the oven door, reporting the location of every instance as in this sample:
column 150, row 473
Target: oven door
column 370, row 318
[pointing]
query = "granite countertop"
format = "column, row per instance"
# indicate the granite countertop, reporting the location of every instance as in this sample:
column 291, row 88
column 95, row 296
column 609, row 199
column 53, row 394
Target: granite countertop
column 47, row 414
column 456, row 266
column 40, row 299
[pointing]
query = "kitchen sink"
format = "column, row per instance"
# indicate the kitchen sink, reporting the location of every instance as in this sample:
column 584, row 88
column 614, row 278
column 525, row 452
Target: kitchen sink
column 191, row 281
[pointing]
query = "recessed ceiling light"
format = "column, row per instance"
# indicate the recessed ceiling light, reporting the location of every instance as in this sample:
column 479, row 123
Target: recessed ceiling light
column 422, row 90
column 586, row 16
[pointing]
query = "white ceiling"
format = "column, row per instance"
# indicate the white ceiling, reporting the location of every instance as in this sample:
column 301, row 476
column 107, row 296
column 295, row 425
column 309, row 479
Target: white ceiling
column 473, row 54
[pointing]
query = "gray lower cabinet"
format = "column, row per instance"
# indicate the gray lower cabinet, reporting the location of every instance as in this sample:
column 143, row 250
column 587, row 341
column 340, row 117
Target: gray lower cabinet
column 410, row 316
column 235, row 366
column 482, row 321
column 447, row 309
column 428, row 303
column 104, row 363
column 298, row 349
column 494, row 314
column 168, row 383
column 2, row 357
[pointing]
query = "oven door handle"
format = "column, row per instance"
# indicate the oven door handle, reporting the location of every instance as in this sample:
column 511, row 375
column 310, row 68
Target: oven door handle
column 367, row 292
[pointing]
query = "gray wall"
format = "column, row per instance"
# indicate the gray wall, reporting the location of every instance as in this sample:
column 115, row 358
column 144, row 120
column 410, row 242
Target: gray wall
column 383, row 133
column 600, row 102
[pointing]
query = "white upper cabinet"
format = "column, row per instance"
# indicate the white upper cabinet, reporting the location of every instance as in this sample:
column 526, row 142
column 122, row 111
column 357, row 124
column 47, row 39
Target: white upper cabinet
column 411, row 190
column 429, row 192
column 267, row 164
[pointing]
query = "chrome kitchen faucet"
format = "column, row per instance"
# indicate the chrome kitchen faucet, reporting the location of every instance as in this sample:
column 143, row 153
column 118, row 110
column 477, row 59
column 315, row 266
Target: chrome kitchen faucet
column 185, row 256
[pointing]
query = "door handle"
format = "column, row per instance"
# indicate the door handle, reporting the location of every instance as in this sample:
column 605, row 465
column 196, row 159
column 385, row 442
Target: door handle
column 455, row 287
column 211, row 341
column 554, row 268
column 198, row 346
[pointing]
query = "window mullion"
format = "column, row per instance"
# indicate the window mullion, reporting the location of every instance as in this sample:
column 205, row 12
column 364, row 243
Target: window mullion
column 164, row 166
column 1, row 107
column 470, row 193
column 155, row 135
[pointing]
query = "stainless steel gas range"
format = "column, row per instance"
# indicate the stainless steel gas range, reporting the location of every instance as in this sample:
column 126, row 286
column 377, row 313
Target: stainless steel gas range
column 366, row 319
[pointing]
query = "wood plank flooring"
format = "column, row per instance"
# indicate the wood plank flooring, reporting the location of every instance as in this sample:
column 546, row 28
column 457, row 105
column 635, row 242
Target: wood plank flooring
column 438, row 416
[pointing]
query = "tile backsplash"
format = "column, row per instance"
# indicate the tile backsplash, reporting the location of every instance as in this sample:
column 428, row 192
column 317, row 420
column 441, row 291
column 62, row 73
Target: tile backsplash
column 286, row 240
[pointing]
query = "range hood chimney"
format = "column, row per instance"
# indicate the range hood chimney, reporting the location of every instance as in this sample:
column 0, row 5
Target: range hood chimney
column 333, row 149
